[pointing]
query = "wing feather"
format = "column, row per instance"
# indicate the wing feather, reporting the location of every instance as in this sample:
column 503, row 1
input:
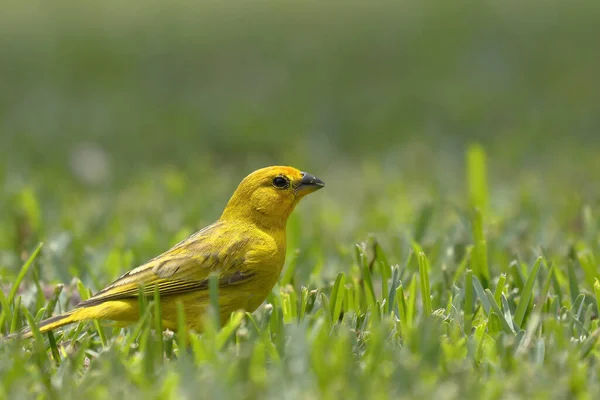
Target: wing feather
column 183, row 268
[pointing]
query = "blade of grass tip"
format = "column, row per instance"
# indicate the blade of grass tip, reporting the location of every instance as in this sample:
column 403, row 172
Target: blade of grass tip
column 359, row 253
column 481, row 340
column 500, row 288
column 463, row 263
column 326, row 306
column 137, row 330
column 507, row 328
column 393, row 287
column 478, row 200
column 39, row 340
column 253, row 323
column 477, row 177
column 311, row 300
column 40, row 351
column 507, row 314
column 481, row 295
column 527, row 292
column 53, row 300
column 47, row 314
column 15, row 320
column 545, row 290
column 54, row 348
column 480, row 261
column 576, row 316
column 268, row 313
column 276, row 325
column 337, row 295
column 22, row 273
column 588, row 265
column 422, row 222
column 468, row 310
column 517, row 276
column 40, row 315
column 228, row 330
column 401, row 304
column 368, row 287
column 142, row 300
column 573, row 285
column 293, row 304
column 286, row 307
column 213, row 290
column 424, row 275
column 411, row 306
column 40, row 299
column 450, row 303
column 303, row 302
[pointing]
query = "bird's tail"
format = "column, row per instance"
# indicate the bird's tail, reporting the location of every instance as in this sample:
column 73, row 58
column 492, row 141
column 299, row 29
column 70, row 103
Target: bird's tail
column 51, row 323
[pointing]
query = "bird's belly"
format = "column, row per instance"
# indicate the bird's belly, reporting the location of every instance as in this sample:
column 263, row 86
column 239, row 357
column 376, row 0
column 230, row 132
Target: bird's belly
column 247, row 296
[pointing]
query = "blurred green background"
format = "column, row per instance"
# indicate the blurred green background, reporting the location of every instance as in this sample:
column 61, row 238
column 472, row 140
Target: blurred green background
column 129, row 124
column 126, row 125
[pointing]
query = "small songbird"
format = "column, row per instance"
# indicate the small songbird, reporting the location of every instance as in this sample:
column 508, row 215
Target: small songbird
column 245, row 248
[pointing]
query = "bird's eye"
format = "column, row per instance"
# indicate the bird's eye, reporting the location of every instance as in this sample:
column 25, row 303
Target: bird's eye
column 280, row 182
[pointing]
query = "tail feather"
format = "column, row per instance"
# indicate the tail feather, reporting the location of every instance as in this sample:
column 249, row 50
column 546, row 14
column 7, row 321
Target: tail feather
column 50, row 323
column 124, row 312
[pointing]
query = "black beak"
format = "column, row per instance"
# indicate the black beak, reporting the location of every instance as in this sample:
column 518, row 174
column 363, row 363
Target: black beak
column 310, row 182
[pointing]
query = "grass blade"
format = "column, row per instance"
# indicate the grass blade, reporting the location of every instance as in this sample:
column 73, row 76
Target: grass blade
column 500, row 288
column 505, row 325
column 424, row 275
column 337, row 296
column 481, row 295
column 6, row 313
column 22, row 273
column 15, row 320
column 468, row 310
column 480, row 257
column 527, row 292
column 368, row 288
column 477, row 178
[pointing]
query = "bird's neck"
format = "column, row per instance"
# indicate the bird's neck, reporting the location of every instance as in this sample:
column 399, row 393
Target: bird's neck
column 266, row 223
column 255, row 213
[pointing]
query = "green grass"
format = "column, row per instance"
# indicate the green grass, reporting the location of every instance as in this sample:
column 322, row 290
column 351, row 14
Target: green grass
column 453, row 253
column 406, row 320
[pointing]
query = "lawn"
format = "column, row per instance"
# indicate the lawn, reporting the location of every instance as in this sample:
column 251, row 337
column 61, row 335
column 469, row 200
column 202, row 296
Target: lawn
column 453, row 253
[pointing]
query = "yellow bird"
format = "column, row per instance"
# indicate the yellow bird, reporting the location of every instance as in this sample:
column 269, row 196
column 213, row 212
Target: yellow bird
column 245, row 247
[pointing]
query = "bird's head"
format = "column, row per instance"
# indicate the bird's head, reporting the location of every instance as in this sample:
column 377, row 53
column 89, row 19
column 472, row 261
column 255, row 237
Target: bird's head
column 268, row 196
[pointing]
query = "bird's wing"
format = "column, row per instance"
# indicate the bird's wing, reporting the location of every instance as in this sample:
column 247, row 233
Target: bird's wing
column 184, row 268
